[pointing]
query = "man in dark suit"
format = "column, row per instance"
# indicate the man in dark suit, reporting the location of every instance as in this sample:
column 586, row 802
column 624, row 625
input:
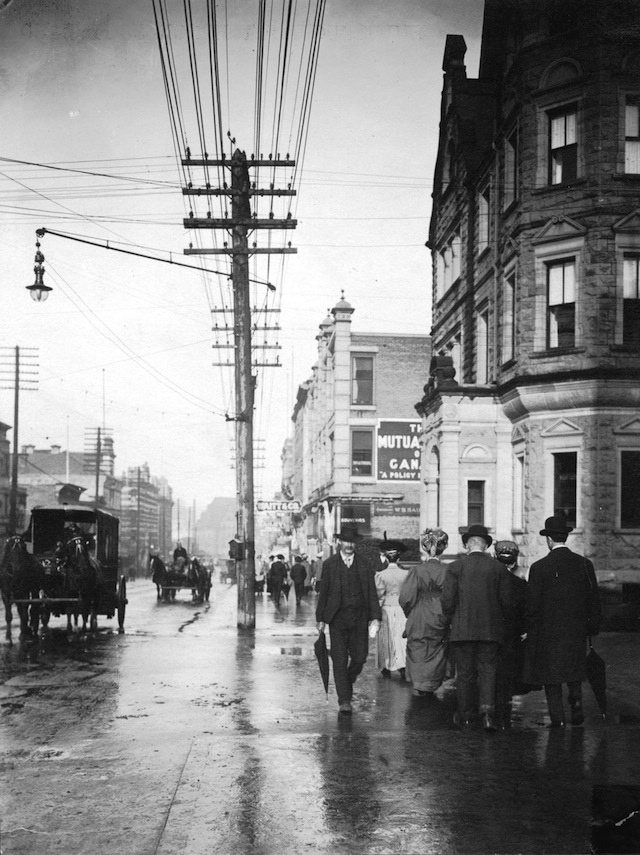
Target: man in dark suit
column 562, row 609
column 348, row 602
column 477, row 599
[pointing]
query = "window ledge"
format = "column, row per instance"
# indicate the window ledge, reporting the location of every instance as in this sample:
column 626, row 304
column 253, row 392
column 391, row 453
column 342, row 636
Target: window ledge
column 363, row 479
column 556, row 351
column 625, row 348
column 626, row 176
column 367, row 407
column 563, row 186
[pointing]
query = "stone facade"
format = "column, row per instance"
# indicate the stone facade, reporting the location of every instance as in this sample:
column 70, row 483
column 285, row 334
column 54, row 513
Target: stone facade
column 535, row 237
column 355, row 454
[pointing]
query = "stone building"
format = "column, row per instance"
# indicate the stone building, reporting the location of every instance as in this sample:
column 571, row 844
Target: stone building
column 355, row 455
column 532, row 401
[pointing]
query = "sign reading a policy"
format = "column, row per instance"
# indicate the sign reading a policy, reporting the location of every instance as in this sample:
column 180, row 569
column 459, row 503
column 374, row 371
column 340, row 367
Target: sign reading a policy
column 399, row 450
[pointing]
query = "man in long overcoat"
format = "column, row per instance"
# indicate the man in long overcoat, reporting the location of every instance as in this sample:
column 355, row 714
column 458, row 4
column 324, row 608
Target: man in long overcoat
column 562, row 609
column 348, row 602
column 477, row 599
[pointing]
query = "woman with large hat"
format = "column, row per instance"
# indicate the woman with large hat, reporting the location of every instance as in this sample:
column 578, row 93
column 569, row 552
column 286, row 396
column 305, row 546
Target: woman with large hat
column 391, row 649
column 426, row 625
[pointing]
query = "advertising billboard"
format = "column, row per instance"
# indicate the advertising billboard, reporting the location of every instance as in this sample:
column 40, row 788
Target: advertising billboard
column 399, row 450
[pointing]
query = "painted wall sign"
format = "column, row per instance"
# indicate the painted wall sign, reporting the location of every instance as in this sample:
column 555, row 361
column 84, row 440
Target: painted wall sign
column 399, row 450
column 397, row 510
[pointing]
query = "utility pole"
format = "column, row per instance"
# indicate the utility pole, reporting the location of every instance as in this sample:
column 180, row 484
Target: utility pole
column 20, row 381
column 138, row 525
column 241, row 223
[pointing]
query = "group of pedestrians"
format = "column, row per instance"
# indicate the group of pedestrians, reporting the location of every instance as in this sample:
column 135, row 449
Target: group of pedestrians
column 477, row 618
column 279, row 577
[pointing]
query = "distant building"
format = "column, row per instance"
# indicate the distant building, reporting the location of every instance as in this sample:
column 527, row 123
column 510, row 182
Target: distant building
column 5, row 488
column 355, row 456
column 217, row 526
column 52, row 475
column 532, row 405
column 145, row 518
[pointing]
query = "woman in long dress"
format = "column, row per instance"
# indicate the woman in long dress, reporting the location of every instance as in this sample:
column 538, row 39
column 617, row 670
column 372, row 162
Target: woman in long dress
column 426, row 625
column 391, row 647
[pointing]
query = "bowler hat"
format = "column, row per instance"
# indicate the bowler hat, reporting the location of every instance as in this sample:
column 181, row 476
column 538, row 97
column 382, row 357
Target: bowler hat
column 477, row 530
column 350, row 533
column 555, row 525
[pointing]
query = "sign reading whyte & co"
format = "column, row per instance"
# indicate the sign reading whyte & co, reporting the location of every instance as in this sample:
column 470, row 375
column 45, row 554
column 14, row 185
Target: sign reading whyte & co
column 399, row 450
column 291, row 506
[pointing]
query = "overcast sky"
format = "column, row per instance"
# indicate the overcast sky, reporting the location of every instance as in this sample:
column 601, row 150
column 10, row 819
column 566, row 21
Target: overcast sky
column 126, row 342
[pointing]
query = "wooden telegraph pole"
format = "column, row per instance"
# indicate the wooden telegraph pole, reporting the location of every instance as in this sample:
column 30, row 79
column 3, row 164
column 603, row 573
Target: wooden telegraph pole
column 240, row 225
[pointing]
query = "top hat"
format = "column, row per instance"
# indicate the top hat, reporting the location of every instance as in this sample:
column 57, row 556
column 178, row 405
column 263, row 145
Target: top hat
column 349, row 533
column 477, row 530
column 391, row 545
column 555, row 525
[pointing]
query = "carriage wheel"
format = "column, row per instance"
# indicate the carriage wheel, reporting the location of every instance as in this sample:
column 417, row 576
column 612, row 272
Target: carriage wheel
column 122, row 602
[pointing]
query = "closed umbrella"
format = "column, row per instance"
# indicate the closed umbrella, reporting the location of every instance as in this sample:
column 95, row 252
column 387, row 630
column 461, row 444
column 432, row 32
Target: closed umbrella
column 322, row 656
column 597, row 677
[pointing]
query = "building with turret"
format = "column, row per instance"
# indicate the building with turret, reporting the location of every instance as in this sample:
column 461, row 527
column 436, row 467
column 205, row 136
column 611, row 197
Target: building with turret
column 355, row 455
column 532, row 402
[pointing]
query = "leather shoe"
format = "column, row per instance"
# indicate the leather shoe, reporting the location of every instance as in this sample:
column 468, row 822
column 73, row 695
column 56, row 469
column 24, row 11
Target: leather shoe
column 345, row 708
column 577, row 715
column 488, row 721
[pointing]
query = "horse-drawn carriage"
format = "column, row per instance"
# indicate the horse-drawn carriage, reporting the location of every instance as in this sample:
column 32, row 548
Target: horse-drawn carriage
column 66, row 563
column 182, row 573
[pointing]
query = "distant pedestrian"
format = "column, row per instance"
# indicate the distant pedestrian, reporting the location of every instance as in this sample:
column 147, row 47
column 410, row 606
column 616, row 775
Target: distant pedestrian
column 298, row 574
column 277, row 576
column 392, row 645
column 476, row 598
column 420, row 598
column 348, row 603
column 509, row 675
column 562, row 609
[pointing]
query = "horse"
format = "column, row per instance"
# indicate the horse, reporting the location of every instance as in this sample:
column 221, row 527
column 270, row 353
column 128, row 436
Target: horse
column 159, row 575
column 21, row 578
column 80, row 584
column 198, row 578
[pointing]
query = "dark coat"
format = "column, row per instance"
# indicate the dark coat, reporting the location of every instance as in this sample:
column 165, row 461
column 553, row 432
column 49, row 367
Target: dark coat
column 330, row 590
column 277, row 572
column 298, row 573
column 562, row 609
column 477, row 598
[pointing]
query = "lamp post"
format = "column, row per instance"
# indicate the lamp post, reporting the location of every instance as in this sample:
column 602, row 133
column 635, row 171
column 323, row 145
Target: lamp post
column 39, row 291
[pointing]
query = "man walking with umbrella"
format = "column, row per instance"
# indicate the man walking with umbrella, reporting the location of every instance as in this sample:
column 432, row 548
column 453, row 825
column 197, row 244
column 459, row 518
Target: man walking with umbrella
column 562, row 609
column 348, row 602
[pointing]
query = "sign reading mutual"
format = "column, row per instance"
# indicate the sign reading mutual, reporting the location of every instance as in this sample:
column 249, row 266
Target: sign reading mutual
column 399, row 450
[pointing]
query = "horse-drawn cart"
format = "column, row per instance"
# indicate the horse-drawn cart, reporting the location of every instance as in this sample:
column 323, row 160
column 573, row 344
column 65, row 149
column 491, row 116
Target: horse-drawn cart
column 70, row 566
column 169, row 579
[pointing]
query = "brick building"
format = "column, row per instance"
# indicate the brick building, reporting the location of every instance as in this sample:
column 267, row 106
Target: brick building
column 145, row 518
column 355, row 455
column 532, row 401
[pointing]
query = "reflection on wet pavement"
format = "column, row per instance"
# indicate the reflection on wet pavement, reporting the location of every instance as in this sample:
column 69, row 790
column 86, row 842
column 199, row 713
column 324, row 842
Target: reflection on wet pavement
column 187, row 736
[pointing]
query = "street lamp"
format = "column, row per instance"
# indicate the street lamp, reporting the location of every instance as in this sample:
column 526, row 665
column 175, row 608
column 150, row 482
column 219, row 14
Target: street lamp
column 39, row 291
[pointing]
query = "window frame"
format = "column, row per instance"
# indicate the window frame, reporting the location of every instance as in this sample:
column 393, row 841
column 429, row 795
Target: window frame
column 568, row 151
column 356, row 403
column 482, row 504
column 566, row 263
column 624, row 471
column 510, row 175
column 482, row 345
column 508, row 316
column 631, row 100
column 484, row 218
column 365, row 430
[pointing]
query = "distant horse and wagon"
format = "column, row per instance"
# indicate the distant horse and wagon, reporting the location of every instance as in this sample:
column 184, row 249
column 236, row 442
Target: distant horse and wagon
column 65, row 563
column 182, row 573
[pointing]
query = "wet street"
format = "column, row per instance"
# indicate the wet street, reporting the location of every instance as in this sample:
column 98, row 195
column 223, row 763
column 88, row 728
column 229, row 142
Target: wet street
column 185, row 736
